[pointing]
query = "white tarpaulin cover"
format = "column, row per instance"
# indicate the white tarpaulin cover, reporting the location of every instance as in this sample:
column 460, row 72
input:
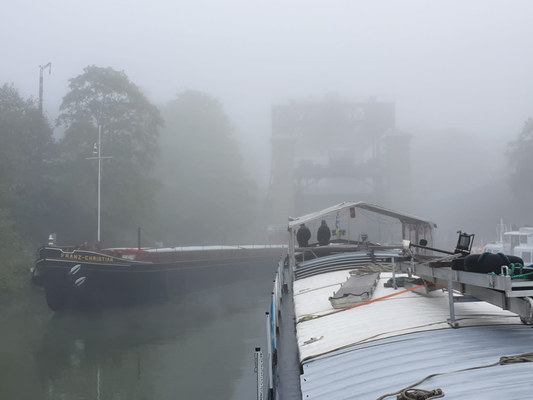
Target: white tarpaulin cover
column 407, row 313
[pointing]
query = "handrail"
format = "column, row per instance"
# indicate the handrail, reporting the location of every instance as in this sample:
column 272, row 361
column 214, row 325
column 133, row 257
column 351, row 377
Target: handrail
column 273, row 324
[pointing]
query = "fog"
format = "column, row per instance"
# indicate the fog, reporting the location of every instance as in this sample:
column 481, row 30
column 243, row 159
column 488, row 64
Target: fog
column 458, row 72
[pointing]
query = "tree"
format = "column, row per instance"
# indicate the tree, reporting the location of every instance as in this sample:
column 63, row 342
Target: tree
column 14, row 269
column 130, row 128
column 208, row 196
column 518, row 198
column 27, row 149
column 519, row 157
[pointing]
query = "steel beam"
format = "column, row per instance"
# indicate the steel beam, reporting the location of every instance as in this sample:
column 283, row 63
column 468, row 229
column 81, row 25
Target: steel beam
column 494, row 289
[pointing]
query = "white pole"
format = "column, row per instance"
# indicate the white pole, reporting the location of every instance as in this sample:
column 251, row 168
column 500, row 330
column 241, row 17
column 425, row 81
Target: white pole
column 259, row 372
column 99, row 173
column 292, row 259
column 98, row 383
column 349, row 223
column 99, row 158
column 270, row 366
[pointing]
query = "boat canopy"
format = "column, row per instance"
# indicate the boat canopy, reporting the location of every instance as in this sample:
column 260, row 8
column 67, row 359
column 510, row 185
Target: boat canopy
column 412, row 228
column 403, row 217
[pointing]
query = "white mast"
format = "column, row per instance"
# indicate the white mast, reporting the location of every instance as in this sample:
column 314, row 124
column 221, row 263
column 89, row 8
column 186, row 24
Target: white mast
column 97, row 150
column 502, row 230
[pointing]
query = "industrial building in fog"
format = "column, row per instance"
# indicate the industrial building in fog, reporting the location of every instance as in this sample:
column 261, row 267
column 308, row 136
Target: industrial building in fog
column 332, row 150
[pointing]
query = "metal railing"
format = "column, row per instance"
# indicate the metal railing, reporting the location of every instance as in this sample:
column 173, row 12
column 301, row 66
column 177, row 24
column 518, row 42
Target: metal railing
column 216, row 247
column 272, row 325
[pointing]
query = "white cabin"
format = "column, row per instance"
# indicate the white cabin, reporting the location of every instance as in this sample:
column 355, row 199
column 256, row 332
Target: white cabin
column 511, row 240
column 525, row 249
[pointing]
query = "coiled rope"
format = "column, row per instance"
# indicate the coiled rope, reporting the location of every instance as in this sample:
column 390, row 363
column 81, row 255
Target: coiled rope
column 371, row 268
column 420, row 394
column 512, row 268
column 504, row 360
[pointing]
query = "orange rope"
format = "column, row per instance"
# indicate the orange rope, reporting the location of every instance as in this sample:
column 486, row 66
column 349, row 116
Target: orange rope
column 373, row 301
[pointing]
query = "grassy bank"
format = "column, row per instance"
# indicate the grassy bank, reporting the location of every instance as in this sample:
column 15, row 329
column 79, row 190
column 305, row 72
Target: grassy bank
column 15, row 259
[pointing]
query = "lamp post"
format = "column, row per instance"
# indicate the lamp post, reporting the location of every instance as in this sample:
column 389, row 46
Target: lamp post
column 97, row 152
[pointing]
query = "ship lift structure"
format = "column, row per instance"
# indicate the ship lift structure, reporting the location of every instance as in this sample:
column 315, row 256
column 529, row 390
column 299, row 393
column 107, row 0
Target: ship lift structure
column 328, row 149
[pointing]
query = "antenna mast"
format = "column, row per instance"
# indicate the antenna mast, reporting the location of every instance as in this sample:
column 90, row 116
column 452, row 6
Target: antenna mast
column 42, row 68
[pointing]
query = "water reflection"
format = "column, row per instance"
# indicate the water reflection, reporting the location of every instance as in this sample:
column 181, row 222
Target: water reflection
column 196, row 346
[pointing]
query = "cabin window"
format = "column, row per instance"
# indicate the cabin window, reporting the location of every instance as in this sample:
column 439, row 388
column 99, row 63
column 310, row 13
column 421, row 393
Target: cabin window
column 526, row 256
column 523, row 239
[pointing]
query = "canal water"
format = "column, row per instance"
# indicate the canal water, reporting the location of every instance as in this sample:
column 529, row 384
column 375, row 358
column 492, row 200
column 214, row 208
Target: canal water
column 197, row 346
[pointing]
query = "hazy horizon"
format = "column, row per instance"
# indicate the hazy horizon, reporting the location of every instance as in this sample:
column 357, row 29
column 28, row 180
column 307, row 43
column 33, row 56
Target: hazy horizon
column 449, row 66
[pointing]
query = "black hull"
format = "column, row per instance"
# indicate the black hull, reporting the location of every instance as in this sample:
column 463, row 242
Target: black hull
column 116, row 283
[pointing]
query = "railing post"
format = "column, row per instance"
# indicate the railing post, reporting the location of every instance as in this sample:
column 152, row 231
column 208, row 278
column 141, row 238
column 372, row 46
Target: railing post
column 280, row 279
column 394, row 273
column 270, row 361
column 258, row 359
column 273, row 318
column 451, row 320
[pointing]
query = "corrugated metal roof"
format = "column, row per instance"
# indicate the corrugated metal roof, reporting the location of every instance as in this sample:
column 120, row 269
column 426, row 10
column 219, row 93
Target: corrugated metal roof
column 337, row 258
column 371, row 370
column 339, row 262
column 399, row 315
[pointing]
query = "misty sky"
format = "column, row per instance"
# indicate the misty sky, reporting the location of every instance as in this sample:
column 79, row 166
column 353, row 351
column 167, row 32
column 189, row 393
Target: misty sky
column 465, row 65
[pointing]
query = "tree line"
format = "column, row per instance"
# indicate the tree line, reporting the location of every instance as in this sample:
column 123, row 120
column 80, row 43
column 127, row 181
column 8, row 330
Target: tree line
column 176, row 170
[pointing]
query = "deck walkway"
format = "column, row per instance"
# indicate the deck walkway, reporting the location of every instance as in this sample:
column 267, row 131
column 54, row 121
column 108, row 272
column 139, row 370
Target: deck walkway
column 288, row 368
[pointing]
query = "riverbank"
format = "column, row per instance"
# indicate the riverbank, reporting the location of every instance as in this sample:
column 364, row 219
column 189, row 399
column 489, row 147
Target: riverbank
column 16, row 258
column 15, row 274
